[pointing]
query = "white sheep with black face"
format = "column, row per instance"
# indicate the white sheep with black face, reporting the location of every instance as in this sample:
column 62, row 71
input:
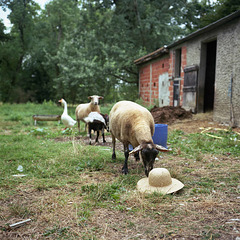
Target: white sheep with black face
column 133, row 124
column 83, row 110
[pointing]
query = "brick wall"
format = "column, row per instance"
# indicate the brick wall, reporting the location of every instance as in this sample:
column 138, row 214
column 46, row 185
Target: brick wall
column 184, row 64
column 149, row 77
column 170, row 75
column 144, row 83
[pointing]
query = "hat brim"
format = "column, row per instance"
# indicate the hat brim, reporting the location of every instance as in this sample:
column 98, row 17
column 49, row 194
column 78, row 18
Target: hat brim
column 144, row 187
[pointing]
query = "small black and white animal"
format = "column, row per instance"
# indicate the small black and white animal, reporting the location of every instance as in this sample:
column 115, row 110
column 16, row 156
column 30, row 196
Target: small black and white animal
column 97, row 122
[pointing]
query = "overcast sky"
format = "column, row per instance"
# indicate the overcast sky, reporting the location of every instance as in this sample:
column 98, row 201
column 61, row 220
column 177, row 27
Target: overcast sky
column 3, row 15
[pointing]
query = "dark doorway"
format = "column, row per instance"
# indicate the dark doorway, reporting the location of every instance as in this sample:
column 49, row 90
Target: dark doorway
column 211, row 49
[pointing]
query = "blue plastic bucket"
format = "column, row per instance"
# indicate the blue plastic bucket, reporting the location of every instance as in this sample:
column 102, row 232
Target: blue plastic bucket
column 160, row 135
column 130, row 147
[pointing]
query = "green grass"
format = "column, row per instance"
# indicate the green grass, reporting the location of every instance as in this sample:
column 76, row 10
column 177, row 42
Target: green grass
column 67, row 183
column 193, row 145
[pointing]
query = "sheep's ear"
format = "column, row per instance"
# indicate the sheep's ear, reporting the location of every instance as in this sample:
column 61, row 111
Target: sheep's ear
column 90, row 97
column 136, row 149
column 161, row 148
column 100, row 97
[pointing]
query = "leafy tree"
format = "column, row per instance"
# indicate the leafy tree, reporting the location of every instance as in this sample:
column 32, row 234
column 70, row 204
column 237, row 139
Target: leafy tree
column 27, row 73
column 74, row 49
column 22, row 15
column 58, row 20
column 221, row 9
column 194, row 12
column 81, row 58
column 99, row 55
column 4, row 64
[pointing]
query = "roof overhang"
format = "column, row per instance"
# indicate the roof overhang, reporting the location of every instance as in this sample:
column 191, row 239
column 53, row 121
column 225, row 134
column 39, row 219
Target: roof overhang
column 161, row 51
column 206, row 29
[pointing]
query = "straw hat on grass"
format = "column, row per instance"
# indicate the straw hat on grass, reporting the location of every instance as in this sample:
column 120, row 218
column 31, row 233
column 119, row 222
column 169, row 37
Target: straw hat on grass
column 159, row 180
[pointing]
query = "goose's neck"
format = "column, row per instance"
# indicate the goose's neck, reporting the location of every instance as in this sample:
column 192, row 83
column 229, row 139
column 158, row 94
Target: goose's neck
column 65, row 108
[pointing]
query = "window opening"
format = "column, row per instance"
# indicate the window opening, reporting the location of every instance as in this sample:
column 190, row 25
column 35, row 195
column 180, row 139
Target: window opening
column 178, row 62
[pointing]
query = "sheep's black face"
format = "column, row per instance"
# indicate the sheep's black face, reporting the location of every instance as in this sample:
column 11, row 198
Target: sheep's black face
column 106, row 117
column 148, row 156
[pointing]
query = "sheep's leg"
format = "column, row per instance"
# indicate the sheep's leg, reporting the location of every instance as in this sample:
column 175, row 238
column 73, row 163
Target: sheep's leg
column 126, row 154
column 90, row 136
column 113, row 143
column 103, row 135
column 78, row 121
column 136, row 155
column 97, row 136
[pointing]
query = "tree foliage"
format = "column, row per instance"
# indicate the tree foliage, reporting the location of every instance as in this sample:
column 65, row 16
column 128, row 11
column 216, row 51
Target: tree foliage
column 222, row 8
column 77, row 48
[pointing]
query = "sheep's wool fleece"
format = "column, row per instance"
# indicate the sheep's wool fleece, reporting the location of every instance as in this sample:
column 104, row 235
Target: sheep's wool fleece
column 128, row 119
column 94, row 116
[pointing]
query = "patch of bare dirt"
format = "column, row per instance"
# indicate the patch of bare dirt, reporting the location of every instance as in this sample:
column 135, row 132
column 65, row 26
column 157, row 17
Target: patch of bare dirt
column 126, row 225
column 169, row 114
column 198, row 123
column 178, row 118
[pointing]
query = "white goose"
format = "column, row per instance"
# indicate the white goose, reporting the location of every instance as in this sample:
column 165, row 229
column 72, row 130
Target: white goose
column 66, row 119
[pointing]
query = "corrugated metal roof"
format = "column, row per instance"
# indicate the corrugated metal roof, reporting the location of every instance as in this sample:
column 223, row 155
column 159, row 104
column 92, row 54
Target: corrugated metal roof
column 209, row 27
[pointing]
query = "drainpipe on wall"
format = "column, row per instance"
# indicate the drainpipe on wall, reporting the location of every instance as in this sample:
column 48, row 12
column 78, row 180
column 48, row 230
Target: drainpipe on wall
column 150, row 84
column 232, row 118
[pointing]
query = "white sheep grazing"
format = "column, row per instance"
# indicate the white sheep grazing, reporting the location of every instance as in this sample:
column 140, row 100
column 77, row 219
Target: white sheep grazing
column 133, row 124
column 82, row 110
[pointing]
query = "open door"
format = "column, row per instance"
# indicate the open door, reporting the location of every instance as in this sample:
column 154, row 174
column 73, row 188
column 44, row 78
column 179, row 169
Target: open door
column 210, row 76
column 207, row 70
